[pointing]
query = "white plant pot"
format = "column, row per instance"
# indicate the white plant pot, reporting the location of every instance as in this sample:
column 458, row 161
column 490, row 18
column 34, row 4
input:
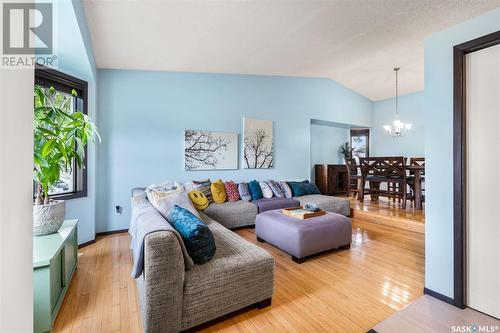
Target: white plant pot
column 47, row 219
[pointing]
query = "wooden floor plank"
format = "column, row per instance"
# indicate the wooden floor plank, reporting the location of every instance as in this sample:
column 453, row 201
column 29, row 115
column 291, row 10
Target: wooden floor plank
column 338, row 291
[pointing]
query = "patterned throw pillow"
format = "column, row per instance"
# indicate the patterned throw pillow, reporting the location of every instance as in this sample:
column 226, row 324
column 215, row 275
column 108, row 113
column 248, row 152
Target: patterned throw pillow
column 255, row 190
column 197, row 237
column 286, row 189
column 266, row 190
column 218, row 191
column 232, row 191
column 204, row 187
column 276, row 188
column 244, row 192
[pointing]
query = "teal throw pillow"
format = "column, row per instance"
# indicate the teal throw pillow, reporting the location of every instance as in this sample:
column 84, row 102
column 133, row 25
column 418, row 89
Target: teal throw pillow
column 197, row 237
column 255, row 190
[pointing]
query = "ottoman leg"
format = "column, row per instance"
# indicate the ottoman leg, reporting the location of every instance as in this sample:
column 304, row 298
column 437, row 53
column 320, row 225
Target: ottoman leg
column 260, row 240
column 298, row 260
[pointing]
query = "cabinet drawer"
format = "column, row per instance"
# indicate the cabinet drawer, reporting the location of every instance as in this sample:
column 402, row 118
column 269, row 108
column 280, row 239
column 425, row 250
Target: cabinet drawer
column 56, row 280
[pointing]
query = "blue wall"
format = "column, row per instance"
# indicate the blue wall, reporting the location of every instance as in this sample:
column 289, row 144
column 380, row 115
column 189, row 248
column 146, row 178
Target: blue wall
column 75, row 57
column 325, row 143
column 411, row 109
column 143, row 115
column 438, row 106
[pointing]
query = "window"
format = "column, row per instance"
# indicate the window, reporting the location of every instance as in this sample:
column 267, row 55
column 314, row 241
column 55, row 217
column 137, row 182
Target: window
column 72, row 184
column 360, row 142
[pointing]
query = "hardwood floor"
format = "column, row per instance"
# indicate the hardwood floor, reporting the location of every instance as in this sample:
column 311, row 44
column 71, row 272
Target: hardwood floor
column 389, row 213
column 339, row 291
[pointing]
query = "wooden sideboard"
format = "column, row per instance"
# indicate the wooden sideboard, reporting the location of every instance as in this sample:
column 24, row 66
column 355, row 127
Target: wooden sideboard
column 331, row 179
column 55, row 257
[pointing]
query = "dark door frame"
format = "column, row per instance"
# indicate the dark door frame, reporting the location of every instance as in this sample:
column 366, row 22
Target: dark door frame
column 459, row 159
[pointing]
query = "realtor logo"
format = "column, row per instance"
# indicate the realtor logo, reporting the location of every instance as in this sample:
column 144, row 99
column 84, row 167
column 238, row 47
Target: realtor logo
column 27, row 28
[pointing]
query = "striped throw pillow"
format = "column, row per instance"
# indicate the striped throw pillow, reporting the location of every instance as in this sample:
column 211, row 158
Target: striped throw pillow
column 204, row 187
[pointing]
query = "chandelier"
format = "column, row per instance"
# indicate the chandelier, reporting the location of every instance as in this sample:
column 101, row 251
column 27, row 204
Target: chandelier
column 397, row 128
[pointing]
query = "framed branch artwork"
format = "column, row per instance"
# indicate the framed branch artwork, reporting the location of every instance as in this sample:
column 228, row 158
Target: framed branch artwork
column 258, row 144
column 207, row 150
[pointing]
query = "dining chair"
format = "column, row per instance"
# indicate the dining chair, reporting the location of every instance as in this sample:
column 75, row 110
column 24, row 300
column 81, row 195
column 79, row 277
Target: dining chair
column 354, row 177
column 383, row 170
column 416, row 161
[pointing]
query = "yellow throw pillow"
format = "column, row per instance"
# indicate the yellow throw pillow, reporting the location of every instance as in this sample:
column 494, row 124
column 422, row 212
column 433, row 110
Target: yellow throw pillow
column 218, row 191
column 199, row 200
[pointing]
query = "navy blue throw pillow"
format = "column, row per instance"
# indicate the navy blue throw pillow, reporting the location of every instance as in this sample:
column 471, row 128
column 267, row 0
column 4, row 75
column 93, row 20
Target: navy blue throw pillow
column 311, row 188
column 255, row 190
column 303, row 188
column 197, row 237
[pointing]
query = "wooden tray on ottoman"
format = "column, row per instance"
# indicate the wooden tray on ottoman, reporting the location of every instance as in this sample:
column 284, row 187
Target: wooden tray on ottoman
column 301, row 213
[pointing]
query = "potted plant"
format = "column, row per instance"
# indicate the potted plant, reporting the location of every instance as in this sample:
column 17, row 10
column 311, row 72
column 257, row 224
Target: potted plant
column 345, row 151
column 60, row 136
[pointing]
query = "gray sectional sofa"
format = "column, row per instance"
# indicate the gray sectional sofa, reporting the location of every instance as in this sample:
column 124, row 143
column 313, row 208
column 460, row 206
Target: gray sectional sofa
column 174, row 299
column 176, row 295
column 243, row 213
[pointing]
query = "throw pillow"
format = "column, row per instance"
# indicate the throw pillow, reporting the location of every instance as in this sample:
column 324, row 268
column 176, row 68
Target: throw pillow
column 277, row 190
column 266, row 190
column 311, row 188
column 255, row 190
column 204, row 187
column 244, row 192
column 301, row 188
column 165, row 204
column 196, row 235
column 218, row 191
column 286, row 189
column 199, row 200
column 232, row 191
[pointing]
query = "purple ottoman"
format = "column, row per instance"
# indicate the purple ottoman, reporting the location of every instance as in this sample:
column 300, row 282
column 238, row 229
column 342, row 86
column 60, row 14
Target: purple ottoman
column 302, row 238
column 265, row 204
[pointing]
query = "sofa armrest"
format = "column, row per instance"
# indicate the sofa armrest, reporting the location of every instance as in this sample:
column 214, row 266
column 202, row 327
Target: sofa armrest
column 163, row 283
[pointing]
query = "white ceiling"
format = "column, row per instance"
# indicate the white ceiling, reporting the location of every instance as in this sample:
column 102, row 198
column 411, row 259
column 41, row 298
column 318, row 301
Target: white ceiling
column 356, row 43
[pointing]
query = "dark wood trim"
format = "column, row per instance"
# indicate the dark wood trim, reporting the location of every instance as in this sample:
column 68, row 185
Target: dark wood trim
column 61, row 81
column 439, row 296
column 86, row 243
column 105, row 233
column 361, row 132
column 459, row 159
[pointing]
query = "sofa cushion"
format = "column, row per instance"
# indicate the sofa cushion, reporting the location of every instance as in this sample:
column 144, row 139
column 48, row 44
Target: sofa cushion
column 244, row 192
column 197, row 237
column 255, row 190
column 239, row 275
column 233, row 214
column 266, row 190
column 232, row 191
column 331, row 204
column 218, row 191
column 286, row 189
column 204, row 186
column 266, row 204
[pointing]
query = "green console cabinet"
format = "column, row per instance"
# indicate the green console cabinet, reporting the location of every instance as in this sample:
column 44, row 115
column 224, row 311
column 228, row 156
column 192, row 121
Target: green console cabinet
column 55, row 258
